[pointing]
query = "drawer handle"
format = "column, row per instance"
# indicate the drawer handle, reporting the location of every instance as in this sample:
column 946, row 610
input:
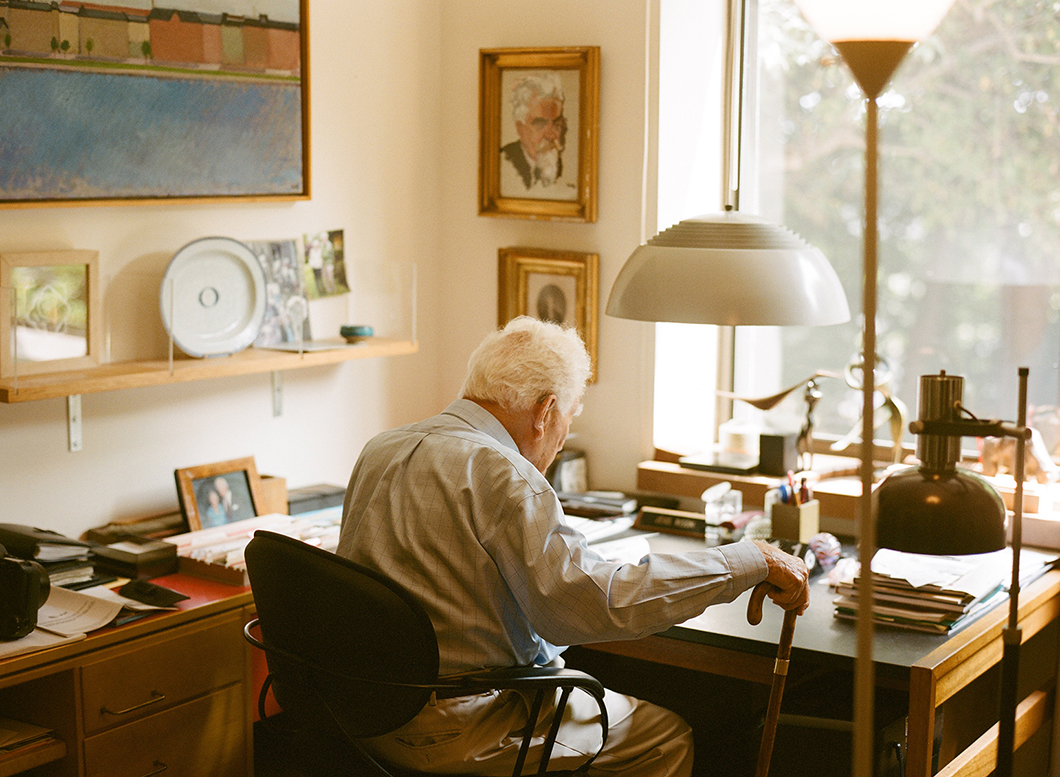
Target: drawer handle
column 159, row 768
column 155, row 697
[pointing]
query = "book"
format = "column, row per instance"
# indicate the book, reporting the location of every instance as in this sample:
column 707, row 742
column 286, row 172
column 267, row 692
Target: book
column 614, row 502
column 33, row 544
column 936, row 594
column 71, row 571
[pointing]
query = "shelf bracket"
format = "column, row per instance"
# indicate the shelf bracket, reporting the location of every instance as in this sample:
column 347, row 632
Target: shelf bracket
column 277, row 393
column 73, row 422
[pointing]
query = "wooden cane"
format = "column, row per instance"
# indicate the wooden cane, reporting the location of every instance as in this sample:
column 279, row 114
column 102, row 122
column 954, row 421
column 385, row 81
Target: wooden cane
column 780, row 674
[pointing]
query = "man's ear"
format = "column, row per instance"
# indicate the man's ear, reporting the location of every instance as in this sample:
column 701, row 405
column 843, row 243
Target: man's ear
column 540, row 414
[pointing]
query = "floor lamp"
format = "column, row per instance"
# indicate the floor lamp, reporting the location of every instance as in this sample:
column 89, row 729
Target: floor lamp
column 872, row 37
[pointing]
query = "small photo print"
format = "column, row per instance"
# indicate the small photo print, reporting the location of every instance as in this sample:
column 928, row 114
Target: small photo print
column 325, row 265
column 286, row 306
column 223, row 499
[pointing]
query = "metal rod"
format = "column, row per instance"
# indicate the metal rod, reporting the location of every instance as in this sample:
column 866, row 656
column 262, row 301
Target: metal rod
column 1012, row 636
column 864, row 676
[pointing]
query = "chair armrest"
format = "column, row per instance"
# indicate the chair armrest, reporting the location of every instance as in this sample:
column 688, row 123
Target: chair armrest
column 530, row 678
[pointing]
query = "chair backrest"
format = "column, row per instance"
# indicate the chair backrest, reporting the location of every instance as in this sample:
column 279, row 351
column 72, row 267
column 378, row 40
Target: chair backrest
column 352, row 631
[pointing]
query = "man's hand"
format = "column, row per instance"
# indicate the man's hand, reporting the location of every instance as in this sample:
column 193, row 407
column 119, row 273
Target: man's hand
column 787, row 576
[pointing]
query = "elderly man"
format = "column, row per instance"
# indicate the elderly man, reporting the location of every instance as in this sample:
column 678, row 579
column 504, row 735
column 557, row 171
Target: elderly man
column 536, row 159
column 458, row 511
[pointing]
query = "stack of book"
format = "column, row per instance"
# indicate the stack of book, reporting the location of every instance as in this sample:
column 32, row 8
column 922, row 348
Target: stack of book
column 937, row 594
column 67, row 562
column 596, row 504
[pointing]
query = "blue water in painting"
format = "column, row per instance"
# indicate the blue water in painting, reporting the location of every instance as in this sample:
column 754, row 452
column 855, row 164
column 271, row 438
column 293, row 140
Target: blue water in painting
column 75, row 135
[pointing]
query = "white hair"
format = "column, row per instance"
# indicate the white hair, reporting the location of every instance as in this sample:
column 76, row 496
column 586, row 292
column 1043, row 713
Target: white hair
column 524, row 362
column 534, row 86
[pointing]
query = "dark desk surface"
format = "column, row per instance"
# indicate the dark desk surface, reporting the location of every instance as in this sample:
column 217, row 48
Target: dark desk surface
column 819, row 635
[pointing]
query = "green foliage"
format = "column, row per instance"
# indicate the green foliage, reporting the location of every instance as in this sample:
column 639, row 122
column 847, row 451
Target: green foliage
column 969, row 200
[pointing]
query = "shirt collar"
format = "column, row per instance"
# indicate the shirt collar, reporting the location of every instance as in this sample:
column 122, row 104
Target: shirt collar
column 481, row 419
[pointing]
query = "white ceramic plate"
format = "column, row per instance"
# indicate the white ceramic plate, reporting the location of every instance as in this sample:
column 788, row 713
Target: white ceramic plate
column 213, row 297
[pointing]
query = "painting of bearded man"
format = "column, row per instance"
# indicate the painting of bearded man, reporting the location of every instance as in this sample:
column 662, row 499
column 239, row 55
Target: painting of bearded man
column 533, row 162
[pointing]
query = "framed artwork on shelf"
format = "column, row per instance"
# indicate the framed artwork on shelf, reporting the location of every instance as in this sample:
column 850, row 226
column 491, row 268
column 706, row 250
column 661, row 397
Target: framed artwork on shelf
column 539, row 117
column 557, row 286
column 161, row 104
column 221, row 493
column 50, row 312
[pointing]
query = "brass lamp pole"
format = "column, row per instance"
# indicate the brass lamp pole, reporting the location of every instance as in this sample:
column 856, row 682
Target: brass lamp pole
column 872, row 36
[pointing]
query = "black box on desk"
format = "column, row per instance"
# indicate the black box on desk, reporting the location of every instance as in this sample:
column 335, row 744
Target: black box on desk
column 309, row 498
column 778, row 454
column 137, row 557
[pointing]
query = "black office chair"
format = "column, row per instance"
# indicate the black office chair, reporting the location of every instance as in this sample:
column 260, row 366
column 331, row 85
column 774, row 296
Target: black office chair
column 351, row 654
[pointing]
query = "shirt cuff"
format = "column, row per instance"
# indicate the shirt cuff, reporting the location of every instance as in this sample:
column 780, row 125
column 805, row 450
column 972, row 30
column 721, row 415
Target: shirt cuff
column 746, row 562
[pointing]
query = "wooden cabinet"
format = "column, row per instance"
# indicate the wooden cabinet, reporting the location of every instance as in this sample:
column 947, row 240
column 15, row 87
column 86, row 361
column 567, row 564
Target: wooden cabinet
column 170, row 693
column 132, row 681
column 203, row 736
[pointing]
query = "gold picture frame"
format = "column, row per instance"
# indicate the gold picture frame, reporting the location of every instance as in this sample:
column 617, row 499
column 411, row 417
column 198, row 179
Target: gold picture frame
column 202, row 501
column 50, row 312
column 559, row 286
column 539, row 183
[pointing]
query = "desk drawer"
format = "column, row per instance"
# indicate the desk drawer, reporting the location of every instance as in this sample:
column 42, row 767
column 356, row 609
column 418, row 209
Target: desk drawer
column 144, row 676
column 205, row 736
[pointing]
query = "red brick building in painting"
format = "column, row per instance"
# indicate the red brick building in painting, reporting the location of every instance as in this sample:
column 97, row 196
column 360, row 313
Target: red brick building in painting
column 149, row 33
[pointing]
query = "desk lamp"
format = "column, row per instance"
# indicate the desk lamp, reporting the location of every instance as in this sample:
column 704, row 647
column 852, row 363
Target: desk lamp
column 941, row 509
column 938, row 507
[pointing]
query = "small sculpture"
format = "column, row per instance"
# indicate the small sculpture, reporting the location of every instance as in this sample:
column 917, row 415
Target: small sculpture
column 883, row 399
column 812, row 394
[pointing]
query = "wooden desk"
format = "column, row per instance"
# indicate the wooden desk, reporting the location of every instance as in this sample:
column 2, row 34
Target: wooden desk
column 933, row 669
column 170, row 691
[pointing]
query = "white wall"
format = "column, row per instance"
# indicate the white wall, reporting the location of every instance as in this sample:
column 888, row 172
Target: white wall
column 375, row 105
column 615, row 424
column 394, row 145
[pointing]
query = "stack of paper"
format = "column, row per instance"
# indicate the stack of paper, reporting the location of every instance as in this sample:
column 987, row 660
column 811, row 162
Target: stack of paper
column 937, row 594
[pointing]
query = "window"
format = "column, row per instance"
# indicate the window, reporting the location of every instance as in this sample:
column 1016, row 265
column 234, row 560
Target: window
column 969, row 207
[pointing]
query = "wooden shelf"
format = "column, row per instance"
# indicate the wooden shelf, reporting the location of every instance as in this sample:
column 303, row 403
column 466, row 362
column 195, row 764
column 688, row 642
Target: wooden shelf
column 252, row 361
column 838, row 495
column 30, row 756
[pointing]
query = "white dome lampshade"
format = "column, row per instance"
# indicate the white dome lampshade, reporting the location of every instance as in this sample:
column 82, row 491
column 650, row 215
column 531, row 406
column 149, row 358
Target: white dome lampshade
column 729, row 269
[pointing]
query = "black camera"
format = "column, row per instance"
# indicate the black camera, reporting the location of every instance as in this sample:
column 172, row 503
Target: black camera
column 24, row 588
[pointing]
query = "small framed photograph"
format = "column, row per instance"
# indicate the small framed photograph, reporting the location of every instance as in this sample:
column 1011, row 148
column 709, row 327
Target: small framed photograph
column 50, row 312
column 539, row 117
column 558, row 286
column 216, row 494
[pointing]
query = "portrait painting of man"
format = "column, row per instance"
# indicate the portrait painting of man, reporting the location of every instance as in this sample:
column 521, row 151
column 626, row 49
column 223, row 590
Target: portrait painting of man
column 539, row 134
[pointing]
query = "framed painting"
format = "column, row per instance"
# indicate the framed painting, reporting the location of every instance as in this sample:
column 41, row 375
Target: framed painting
column 154, row 103
column 539, row 117
column 557, row 286
column 50, row 312
column 221, row 493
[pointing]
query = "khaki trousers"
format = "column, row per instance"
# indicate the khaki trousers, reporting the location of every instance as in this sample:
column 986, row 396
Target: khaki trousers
column 481, row 735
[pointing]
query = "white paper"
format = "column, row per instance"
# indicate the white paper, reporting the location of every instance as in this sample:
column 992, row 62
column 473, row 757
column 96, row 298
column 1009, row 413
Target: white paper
column 596, row 530
column 629, row 550
column 34, row 641
column 976, row 575
column 72, row 612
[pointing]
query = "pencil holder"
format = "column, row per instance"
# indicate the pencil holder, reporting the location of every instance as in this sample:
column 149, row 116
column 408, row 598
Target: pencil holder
column 795, row 522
